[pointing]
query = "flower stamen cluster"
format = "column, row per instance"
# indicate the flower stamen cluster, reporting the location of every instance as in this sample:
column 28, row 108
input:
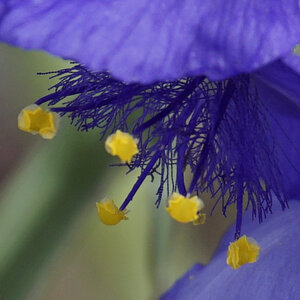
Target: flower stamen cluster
column 218, row 129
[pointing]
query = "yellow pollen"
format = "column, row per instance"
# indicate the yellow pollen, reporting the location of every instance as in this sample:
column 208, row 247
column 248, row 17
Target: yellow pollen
column 242, row 251
column 35, row 120
column 109, row 213
column 122, row 144
column 185, row 209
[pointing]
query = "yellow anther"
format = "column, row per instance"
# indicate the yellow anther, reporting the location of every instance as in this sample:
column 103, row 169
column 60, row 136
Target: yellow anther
column 184, row 209
column 35, row 120
column 109, row 213
column 242, row 251
column 122, row 144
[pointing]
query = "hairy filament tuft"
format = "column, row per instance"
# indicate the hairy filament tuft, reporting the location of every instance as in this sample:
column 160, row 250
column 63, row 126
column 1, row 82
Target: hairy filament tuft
column 218, row 129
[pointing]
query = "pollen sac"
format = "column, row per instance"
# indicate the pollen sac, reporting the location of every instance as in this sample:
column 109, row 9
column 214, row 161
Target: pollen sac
column 185, row 209
column 242, row 251
column 35, row 120
column 109, row 213
column 123, row 145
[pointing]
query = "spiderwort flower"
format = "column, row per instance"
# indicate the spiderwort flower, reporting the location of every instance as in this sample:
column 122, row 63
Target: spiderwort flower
column 217, row 92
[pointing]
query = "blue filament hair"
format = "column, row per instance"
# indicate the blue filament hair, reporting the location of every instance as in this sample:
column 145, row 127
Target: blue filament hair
column 219, row 129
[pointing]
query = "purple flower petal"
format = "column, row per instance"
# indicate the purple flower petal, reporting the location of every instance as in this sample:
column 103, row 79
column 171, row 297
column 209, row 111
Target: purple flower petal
column 141, row 40
column 283, row 79
column 279, row 86
column 275, row 276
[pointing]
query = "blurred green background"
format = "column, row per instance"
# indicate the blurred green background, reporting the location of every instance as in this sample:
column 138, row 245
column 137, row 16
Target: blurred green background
column 52, row 244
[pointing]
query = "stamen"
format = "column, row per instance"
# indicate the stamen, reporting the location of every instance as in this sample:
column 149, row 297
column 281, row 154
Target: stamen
column 185, row 209
column 221, row 108
column 217, row 129
column 242, row 251
column 140, row 180
column 180, row 168
column 183, row 96
column 123, row 145
column 109, row 213
column 35, row 120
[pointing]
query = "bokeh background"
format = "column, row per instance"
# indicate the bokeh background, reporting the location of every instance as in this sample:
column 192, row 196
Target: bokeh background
column 52, row 244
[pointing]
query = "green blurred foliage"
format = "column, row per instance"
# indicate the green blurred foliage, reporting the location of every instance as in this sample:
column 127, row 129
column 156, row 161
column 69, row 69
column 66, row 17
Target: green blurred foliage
column 41, row 202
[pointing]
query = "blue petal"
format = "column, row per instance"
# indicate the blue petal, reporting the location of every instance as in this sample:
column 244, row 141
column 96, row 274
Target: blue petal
column 145, row 41
column 275, row 276
column 285, row 81
column 279, row 87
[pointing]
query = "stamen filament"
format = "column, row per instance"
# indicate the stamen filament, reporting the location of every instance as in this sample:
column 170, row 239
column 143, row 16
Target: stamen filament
column 180, row 169
column 239, row 211
column 52, row 96
column 140, row 180
column 171, row 107
column 92, row 105
column 230, row 88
